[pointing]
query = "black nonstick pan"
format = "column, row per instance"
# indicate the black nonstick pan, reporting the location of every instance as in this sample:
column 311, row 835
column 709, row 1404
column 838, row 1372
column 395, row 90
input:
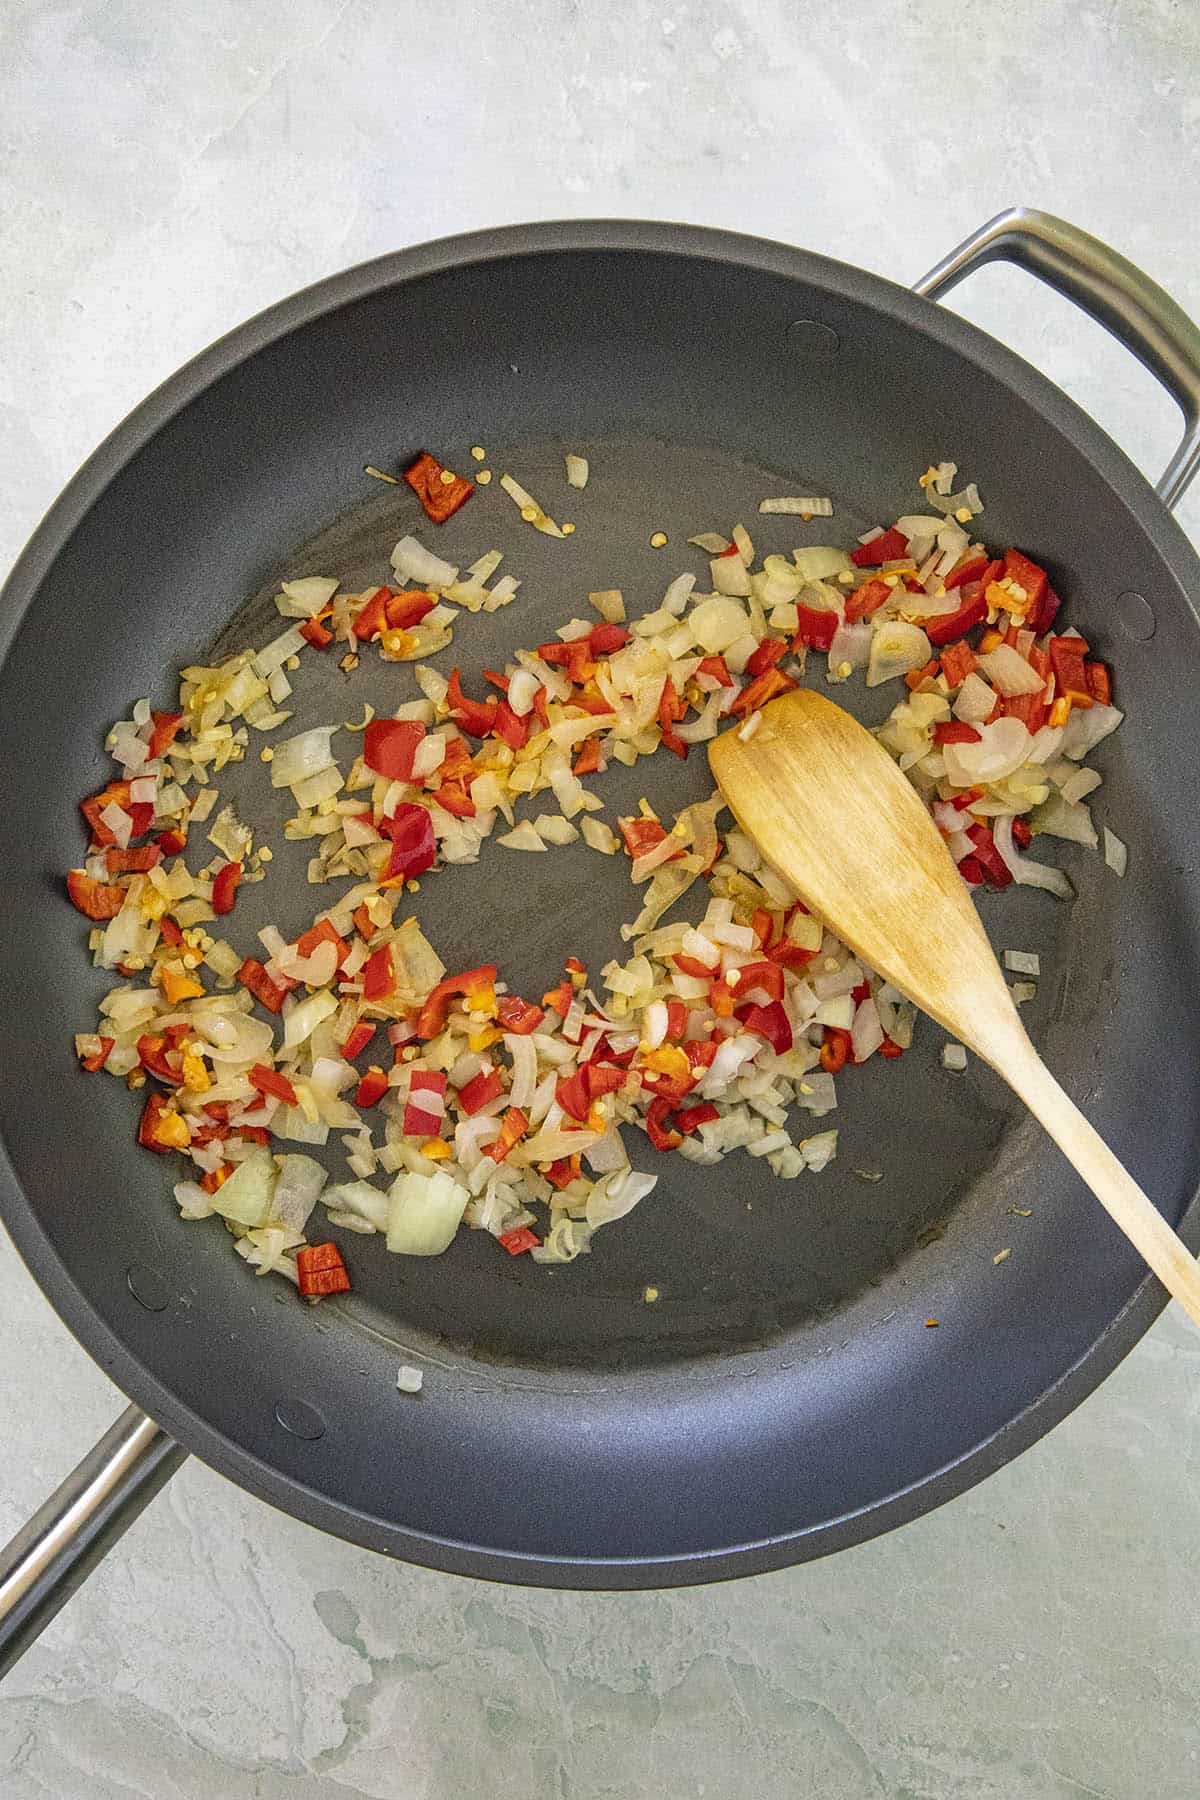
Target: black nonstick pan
column 785, row 1396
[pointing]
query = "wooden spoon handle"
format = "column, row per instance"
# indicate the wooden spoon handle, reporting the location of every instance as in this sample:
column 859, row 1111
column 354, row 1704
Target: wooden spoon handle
column 1111, row 1183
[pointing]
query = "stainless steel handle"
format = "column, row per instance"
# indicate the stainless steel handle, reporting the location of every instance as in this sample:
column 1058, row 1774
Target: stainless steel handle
column 56, row 1551
column 1111, row 291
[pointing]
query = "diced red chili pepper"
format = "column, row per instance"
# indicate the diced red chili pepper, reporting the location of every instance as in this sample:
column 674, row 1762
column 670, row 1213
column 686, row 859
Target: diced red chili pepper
column 1029, row 708
column 1026, row 574
column 518, row 1241
column 92, row 1065
column 511, row 728
column 477, row 987
column 323, row 932
column 453, row 798
column 605, row 639
column 971, row 567
column 971, row 870
column 134, row 861
column 172, row 843
column 762, row 926
column 765, row 687
column 476, row 716
column 414, row 848
column 371, row 618
column 958, row 661
column 688, row 965
column 1022, row 833
column 320, row 1271
column 867, row 599
column 677, row 1020
column 641, row 835
column 379, row 974
column 408, row 608
column 153, row 1056
column 770, row 1022
column 994, row 867
column 389, row 746
column 520, row 1017
column 574, row 657
column 483, row 1087
column 268, row 993
column 165, row 727
column 715, row 668
column 815, row 627
column 316, row 634
column 270, row 1081
column 371, row 1088
column 917, row 677
column 171, row 933
column 835, row 1051
column 789, row 956
column 360, row 1036
column 588, row 760
column 1070, row 674
column 150, row 1126
column 559, row 998
column 765, row 977
column 890, row 1049
column 955, row 731
column 440, row 498
column 657, row 1114
column 720, row 998
column 513, row 1127
column 571, row 1092
column 602, row 1078
column 956, row 624
column 769, row 652
column 1099, row 680
column 94, row 899
column 563, row 1171
column 1042, row 620
column 116, row 794
column 693, row 1117
column 890, row 546
column 457, row 764
column 225, row 886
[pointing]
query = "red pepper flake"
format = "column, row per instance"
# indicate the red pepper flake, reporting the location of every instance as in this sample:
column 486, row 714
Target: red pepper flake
column 440, row 497
column 321, row 1271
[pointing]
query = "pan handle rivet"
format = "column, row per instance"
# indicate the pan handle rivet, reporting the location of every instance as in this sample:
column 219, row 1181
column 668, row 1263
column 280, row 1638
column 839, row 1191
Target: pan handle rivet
column 301, row 1419
column 808, row 337
column 1136, row 615
column 148, row 1287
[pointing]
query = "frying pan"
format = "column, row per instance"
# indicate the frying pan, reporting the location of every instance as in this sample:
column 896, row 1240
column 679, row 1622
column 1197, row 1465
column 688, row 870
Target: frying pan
column 784, row 1397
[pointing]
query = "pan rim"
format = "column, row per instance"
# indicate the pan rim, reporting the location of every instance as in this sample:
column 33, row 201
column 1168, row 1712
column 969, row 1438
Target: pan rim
column 86, row 488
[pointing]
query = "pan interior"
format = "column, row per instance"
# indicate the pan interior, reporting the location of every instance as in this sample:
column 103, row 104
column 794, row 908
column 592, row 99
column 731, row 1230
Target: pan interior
column 737, row 1256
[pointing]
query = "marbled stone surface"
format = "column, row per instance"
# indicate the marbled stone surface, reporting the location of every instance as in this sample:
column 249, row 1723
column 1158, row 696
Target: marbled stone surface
column 165, row 171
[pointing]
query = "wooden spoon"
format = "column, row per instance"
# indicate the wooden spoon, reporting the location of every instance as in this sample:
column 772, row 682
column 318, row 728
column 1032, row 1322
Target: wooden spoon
column 831, row 811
